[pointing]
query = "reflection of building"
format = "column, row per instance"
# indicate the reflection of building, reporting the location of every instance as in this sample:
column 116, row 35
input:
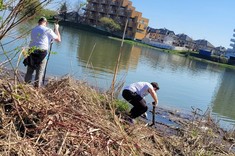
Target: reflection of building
column 119, row 11
column 105, row 53
column 224, row 101
column 134, row 57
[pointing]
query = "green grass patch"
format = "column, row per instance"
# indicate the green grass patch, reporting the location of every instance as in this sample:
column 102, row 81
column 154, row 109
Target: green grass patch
column 121, row 106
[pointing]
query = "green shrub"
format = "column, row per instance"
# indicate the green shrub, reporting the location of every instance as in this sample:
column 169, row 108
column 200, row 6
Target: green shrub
column 109, row 24
column 121, row 106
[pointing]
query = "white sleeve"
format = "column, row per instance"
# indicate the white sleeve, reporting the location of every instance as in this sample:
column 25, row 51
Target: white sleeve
column 52, row 34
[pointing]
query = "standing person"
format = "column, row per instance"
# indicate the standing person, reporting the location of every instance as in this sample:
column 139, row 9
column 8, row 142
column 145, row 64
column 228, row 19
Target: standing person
column 41, row 37
column 135, row 93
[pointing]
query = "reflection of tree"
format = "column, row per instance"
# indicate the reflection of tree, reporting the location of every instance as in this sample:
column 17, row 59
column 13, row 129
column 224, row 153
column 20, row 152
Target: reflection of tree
column 105, row 52
column 224, row 100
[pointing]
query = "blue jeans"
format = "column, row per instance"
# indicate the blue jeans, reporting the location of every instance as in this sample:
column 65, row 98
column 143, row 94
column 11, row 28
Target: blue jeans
column 39, row 73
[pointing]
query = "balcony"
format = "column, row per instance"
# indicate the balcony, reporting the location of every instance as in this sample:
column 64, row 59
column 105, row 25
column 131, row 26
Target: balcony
column 113, row 3
column 99, row 8
column 94, row 1
column 232, row 40
column 107, row 10
column 112, row 12
column 121, row 12
column 232, row 45
column 102, row 10
column 130, row 23
column 92, row 8
column 102, row 1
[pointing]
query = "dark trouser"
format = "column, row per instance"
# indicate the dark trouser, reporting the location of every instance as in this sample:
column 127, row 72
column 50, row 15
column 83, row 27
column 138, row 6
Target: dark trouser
column 139, row 104
column 36, row 61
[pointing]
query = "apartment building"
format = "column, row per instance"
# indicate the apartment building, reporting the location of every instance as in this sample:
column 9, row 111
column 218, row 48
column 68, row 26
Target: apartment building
column 120, row 11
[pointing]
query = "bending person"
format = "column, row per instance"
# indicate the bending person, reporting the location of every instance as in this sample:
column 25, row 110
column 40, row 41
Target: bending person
column 135, row 93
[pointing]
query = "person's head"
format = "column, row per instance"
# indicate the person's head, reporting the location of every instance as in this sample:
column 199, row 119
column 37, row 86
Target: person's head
column 155, row 85
column 42, row 21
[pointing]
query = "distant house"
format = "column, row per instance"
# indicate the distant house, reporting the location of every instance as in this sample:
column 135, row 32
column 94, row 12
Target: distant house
column 73, row 16
column 168, row 40
column 204, row 44
column 184, row 40
column 220, row 51
column 154, row 42
column 159, row 35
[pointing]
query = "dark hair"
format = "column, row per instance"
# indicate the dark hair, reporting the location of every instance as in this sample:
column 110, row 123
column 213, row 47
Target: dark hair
column 42, row 19
column 155, row 85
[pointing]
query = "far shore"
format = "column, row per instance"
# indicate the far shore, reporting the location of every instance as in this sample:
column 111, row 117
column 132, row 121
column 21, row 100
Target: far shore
column 188, row 54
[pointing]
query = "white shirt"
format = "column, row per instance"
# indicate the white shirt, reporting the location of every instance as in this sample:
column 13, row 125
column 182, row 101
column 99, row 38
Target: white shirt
column 41, row 36
column 141, row 88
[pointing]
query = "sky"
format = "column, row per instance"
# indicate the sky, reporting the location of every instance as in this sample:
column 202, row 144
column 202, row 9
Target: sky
column 212, row 20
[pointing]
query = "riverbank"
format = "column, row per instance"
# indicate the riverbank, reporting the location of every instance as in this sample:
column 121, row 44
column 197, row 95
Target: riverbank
column 189, row 54
column 68, row 117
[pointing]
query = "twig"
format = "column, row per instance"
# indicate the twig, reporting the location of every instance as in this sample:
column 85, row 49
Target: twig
column 49, row 123
column 63, row 143
column 90, row 55
column 230, row 148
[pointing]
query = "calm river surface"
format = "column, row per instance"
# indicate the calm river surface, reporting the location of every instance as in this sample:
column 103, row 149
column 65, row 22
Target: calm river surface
column 184, row 83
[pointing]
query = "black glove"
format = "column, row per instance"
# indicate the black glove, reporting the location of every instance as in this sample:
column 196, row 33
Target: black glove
column 154, row 103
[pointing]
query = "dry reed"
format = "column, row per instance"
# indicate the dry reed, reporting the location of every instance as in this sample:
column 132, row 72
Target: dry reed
column 68, row 117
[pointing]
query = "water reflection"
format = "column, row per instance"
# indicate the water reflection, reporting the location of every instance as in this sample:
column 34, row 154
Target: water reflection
column 224, row 100
column 102, row 53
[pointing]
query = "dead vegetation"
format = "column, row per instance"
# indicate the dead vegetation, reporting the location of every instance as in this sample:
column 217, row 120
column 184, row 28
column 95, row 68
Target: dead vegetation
column 68, row 117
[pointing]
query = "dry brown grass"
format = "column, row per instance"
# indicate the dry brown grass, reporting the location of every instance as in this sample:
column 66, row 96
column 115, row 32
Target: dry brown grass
column 68, row 117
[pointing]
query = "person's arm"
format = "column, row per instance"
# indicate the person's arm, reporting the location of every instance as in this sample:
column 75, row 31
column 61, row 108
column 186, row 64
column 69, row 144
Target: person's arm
column 57, row 32
column 154, row 95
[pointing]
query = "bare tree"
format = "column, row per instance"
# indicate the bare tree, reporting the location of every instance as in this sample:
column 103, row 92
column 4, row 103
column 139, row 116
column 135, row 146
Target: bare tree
column 64, row 10
column 79, row 5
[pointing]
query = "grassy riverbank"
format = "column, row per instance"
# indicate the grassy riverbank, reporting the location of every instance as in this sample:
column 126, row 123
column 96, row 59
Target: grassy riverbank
column 68, row 117
column 189, row 54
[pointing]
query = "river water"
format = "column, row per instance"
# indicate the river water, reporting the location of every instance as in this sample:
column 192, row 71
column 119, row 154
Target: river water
column 184, row 83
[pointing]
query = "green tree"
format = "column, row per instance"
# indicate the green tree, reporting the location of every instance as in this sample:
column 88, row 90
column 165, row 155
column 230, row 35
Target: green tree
column 109, row 24
column 1, row 5
column 79, row 5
